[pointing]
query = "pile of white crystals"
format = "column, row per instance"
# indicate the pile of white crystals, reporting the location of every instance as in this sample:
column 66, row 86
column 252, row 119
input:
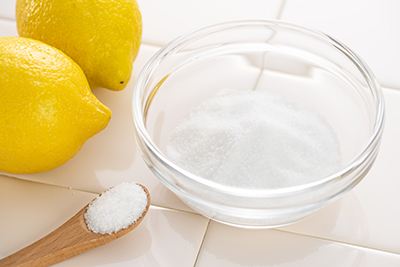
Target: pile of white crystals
column 253, row 139
column 116, row 208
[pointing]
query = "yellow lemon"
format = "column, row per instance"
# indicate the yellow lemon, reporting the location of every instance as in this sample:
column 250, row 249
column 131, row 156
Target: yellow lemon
column 103, row 37
column 47, row 110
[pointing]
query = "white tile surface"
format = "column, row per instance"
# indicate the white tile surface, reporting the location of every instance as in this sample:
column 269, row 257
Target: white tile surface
column 166, row 20
column 29, row 211
column 368, row 27
column 7, row 9
column 368, row 215
column 8, row 28
column 164, row 238
column 232, row 247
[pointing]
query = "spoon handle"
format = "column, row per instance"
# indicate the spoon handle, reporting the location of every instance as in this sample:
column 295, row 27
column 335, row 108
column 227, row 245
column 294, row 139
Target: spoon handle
column 70, row 239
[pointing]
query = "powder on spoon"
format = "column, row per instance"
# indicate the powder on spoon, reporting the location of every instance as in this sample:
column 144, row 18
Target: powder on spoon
column 116, row 209
column 253, row 139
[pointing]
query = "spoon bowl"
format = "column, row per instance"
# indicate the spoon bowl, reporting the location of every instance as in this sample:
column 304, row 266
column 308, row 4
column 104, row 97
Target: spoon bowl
column 70, row 239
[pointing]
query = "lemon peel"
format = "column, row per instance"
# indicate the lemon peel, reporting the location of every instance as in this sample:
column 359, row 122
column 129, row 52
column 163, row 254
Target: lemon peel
column 47, row 108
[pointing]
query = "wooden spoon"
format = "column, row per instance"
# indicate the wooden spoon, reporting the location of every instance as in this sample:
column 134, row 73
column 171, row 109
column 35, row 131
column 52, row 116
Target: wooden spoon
column 70, row 239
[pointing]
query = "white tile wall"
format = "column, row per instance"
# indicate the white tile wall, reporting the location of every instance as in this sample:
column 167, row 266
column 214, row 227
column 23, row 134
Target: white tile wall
column 7, row 9
column 166, row 20
column 369, row 27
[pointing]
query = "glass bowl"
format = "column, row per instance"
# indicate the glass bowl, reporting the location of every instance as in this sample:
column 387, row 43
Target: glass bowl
column 295, row 62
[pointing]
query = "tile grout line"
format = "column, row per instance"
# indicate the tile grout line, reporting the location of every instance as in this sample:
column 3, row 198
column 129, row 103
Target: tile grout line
column 281, row 8
column 92, row 192
column 390, row 88
column 262, row 68
column 202, row 243
column 45, row 183
column 337, row 241
column 154, row 45
column 7, row 19
column 177, row 210
column 261, row 72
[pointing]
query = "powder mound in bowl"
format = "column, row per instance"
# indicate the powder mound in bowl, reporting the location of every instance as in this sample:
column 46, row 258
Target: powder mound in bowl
column 116, row 209
column 253, row 139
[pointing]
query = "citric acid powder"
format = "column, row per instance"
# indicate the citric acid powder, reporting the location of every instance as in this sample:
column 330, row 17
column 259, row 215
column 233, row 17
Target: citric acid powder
column 253, row 139
column 116, row 209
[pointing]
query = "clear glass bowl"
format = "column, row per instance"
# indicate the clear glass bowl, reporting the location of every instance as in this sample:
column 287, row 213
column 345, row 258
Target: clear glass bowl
column 298, row 63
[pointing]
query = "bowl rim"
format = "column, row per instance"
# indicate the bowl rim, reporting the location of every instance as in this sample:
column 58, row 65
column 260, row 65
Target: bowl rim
column 370, row 147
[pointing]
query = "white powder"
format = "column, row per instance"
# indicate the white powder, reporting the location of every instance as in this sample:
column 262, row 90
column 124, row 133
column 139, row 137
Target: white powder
column 253, row 139
column 116, row 209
